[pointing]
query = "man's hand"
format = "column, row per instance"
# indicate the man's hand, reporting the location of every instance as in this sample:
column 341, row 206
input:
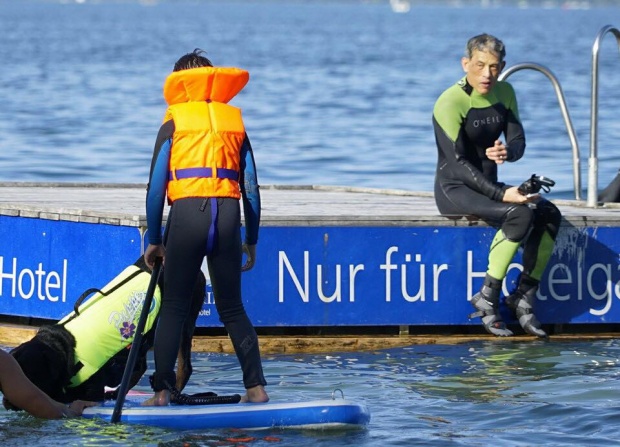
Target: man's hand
column 512, row 195
column 250, row 252
column 153, row 252
column 498, row 152
column 75, row 408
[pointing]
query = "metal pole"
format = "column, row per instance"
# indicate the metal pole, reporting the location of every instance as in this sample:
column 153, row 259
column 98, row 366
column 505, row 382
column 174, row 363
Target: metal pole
column 135, row 345
column 593, row 158
column 564, row 109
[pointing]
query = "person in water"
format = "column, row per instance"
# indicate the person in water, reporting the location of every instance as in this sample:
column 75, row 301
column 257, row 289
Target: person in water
column 22, row 393
column 203, row 162
column 469, row 119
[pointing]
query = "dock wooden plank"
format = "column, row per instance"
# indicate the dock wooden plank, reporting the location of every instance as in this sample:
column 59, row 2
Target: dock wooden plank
column 123, row 204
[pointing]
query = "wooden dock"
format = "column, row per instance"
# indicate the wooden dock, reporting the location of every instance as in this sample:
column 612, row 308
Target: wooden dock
column 124, row 204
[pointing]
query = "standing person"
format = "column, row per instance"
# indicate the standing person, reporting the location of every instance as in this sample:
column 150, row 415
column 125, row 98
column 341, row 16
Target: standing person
column 203, row 162
column 21, row 393
column 469, row 119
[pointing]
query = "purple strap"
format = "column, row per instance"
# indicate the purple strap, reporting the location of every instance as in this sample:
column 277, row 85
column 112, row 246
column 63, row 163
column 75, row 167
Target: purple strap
column 213, row 226
column 184, row 173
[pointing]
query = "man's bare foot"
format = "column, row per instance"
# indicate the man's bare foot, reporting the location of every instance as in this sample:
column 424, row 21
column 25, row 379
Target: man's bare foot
column 159, row 399
column 255, row 394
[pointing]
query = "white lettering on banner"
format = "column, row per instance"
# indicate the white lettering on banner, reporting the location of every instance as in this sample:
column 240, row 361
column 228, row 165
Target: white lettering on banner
column 282, row 259
column 319, row 285
column 303, row 285
column 421, row 293
column 25, row 283
column 304, row 289
column 20, row 283
column 607, row 293
column 562, row 282
column 553, row 282
column 209, row 300
column 388, row 266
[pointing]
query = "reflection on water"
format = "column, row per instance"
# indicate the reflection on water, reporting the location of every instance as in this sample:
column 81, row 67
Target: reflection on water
column 493, row 392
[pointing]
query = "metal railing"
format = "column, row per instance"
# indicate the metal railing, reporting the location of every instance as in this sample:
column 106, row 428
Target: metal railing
column 593, row 158
column 569, row 125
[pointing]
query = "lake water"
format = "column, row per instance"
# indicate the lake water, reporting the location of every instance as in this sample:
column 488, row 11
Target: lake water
column 498, row 393
column 341, row 93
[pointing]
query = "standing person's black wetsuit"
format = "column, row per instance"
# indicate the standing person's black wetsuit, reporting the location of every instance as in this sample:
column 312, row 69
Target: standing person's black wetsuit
column 203, row 164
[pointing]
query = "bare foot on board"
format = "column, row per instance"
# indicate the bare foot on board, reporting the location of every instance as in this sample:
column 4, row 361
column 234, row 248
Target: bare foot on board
column 255, row 394
column 159, row 399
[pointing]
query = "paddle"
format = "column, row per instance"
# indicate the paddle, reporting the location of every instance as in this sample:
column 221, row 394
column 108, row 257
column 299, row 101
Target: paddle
column 135, row 346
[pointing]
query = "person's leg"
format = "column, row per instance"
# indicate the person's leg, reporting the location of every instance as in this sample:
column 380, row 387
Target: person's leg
column 536, row 254
column 539, row 245
column 514, row 222
column 225, row 271
column 185, row 248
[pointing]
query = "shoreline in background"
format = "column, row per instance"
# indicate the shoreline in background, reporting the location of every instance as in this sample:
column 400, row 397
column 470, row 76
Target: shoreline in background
column 546, row 4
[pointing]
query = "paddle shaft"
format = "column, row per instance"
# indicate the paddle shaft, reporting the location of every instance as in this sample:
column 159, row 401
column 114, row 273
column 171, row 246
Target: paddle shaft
column 135, row 345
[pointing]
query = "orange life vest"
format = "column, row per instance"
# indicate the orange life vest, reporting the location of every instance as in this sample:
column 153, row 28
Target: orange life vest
column 209, row 133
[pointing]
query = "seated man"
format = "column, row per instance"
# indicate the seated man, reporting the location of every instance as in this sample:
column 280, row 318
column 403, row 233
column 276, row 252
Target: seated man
column 469, row 119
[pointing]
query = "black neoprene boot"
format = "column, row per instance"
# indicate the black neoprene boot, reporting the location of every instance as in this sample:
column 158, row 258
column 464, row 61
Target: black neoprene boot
column 521, row 302
column 487, row 303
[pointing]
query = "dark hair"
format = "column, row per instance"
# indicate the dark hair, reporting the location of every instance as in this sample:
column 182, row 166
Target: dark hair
column 194, row 59
column 485, row 42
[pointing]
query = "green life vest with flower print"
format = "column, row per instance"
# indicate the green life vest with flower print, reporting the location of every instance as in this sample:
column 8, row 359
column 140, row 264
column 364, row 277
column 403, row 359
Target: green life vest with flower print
column 106, row 323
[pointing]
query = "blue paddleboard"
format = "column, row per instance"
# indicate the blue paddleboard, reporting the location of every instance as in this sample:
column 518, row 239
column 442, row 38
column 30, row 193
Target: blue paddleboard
column 316, row 414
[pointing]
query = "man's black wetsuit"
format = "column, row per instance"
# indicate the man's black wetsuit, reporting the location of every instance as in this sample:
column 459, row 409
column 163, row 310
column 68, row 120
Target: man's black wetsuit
column 466, row 123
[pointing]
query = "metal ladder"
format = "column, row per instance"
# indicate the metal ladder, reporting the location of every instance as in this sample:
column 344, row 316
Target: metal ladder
column 593, row 160
column 569, row 125
column 592, row 199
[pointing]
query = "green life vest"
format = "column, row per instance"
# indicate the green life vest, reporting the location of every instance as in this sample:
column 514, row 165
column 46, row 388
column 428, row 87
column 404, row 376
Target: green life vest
column 106, row 324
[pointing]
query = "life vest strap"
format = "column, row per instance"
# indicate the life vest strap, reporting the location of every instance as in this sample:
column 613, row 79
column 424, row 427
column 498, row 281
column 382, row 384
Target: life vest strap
column 184, row 173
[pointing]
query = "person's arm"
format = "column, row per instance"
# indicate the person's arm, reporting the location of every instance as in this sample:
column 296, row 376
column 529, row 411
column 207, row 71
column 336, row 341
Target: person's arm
column 250, row 195
column 158, row 182
column 22, row 393
column 248, row 183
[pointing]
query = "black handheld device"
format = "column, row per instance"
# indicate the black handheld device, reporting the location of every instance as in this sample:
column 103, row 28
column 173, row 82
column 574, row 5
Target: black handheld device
column 535, row 183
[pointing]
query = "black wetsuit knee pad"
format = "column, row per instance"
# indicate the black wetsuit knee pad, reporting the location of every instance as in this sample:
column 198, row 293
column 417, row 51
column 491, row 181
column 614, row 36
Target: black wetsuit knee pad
column 517, row 222
column 549, row 215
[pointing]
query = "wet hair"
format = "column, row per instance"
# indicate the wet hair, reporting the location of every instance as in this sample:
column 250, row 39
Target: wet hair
column 485, row 42
column 195, row 59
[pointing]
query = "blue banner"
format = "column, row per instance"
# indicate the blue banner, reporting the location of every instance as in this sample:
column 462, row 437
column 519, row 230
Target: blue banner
column 418, row 276
column 45, row 265
column 322, row 276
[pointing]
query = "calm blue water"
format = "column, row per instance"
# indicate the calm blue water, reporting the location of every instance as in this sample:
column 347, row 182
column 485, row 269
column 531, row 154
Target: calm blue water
column 497, row 393
column 340, row 92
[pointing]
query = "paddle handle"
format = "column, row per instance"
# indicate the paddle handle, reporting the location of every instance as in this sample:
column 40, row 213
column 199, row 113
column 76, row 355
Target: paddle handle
column 135, row 345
